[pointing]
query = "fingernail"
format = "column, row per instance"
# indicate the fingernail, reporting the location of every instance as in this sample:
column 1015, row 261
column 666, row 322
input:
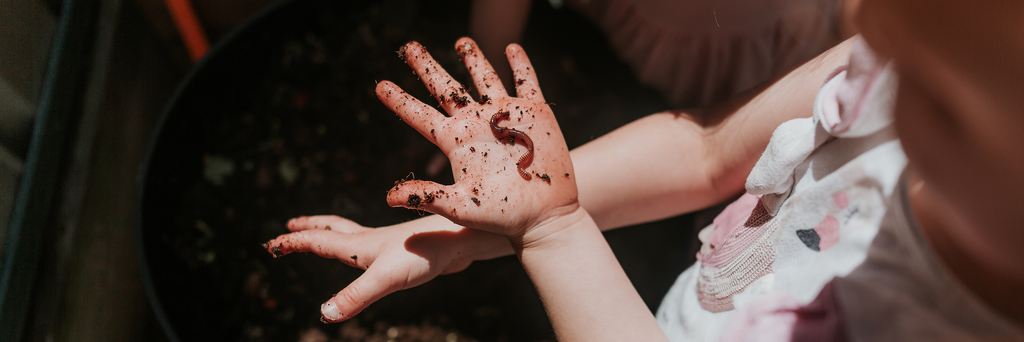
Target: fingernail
column 329, row 312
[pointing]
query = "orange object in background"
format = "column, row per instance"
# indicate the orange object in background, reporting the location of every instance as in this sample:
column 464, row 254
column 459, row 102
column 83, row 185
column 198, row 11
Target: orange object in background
column 192, row 34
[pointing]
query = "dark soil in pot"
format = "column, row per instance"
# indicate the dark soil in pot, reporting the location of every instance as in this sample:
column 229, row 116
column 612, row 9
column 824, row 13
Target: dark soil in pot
column 281, row 121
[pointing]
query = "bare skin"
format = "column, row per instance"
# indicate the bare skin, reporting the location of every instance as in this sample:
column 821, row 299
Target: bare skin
column 554, row 237
column 686, row 164
column 489, row 193
column 556, row 240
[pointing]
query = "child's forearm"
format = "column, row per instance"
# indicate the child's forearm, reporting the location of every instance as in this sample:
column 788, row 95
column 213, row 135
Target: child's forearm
column 671, row 163
column 585, row 292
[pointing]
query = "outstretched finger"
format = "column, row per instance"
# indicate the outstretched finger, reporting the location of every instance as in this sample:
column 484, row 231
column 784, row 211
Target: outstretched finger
column 484, row 77
column 448, row 92
column 326, row 244
column 425, row 119
column 527, row 86
column 324, row 222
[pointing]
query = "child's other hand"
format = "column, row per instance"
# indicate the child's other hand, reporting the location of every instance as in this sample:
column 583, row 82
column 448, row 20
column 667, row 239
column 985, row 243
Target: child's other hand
column 402, row 256
column 498, row 186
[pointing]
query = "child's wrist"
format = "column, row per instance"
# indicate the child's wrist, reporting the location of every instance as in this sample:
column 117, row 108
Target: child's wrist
column 554, row 231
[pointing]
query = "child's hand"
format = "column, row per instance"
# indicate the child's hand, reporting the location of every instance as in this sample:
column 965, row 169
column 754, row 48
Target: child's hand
column 491, row 194
column 395, row 258
column 556, row 240
column 511, row 164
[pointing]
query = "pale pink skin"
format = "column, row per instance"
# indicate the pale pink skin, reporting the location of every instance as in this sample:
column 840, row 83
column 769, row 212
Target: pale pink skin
column 484, row 167
column 540, row 218
column 508, row 204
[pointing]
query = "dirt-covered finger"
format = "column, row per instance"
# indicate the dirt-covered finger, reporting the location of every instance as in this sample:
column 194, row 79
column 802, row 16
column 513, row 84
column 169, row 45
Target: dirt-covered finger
column 422, row 117
column 324, row 222
column 373, row 285
column 448, row 92
column 484, row 77
column 452, row 202
column 324, row 243
column 527, row 86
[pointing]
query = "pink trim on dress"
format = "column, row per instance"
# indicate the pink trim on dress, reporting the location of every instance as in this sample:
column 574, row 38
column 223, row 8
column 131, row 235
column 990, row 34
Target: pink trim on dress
column 738, row 254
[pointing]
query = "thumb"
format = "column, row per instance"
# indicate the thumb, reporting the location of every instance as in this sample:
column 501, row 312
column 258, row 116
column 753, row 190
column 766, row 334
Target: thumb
column 365, row 290
column 426, row 195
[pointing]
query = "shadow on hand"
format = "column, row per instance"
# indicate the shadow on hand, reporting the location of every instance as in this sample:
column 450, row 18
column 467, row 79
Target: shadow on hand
column 426, row 245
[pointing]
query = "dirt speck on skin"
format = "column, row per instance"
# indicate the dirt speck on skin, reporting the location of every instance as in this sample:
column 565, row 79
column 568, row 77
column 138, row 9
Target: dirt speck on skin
column 413, row 201
column 460, row 100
